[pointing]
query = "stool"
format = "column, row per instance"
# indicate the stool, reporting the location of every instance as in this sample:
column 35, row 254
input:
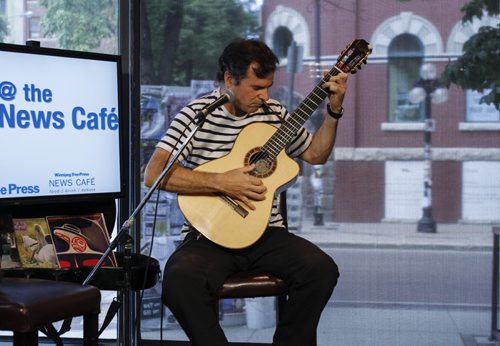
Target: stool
column 251, row 285
column 29, row 304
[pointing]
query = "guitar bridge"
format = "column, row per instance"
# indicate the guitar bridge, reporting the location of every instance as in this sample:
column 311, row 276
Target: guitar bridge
column 234, row 205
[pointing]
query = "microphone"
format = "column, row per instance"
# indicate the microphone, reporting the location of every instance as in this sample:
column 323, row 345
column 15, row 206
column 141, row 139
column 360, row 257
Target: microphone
column 226, row 97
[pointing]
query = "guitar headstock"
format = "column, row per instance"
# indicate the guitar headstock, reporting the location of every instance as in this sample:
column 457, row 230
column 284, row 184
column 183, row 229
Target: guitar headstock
column 353, row 56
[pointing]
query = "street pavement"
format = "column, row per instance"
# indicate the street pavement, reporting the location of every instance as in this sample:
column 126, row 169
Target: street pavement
column 391, row 325
column 403, row 326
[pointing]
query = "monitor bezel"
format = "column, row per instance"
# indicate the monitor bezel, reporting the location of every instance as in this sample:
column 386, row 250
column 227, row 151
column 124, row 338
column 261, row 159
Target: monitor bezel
column 67, row 198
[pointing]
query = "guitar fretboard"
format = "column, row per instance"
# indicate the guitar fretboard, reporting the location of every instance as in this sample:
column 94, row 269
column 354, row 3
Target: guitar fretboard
column 288, row 130
column 349, row 61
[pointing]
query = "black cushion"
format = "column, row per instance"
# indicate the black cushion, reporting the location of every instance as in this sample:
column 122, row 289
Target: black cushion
column 28, row 304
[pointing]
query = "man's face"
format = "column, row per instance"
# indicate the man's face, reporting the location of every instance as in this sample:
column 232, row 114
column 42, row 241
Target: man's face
column 249, row 93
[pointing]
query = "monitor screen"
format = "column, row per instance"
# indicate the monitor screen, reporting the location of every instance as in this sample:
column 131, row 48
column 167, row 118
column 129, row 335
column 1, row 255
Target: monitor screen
column 60, row 125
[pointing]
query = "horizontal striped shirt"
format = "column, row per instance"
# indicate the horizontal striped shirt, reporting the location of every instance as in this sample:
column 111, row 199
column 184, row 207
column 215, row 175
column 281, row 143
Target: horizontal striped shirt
column 217, row 135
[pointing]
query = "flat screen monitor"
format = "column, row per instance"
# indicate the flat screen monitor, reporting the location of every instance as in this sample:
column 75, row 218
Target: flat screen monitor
column 60, row 125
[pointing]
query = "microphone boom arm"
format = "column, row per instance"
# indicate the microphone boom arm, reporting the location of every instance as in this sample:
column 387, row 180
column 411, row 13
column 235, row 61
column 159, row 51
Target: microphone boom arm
column 130, row 221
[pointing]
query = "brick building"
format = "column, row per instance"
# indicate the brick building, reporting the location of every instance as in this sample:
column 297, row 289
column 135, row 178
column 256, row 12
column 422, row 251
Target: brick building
column 377, row 170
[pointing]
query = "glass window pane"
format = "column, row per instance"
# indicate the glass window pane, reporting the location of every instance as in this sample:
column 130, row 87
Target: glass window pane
column 66, row 25
column 405, row 53
column 76, row 25
column 365, row 205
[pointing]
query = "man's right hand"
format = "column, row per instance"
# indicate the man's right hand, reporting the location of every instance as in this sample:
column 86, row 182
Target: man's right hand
column 241, row 185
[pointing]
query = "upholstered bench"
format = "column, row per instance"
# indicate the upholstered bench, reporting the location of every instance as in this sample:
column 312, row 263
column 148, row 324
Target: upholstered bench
column 29, row 304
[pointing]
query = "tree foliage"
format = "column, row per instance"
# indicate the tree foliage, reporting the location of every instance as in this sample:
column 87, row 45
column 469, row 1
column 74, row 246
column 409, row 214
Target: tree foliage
column 188, row 36
column 80, row 25
column 180, row 39
column 478, row 68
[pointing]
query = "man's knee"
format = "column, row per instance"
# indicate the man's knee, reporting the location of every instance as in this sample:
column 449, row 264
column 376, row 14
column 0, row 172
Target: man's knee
column 326, row 271
column 332, row 271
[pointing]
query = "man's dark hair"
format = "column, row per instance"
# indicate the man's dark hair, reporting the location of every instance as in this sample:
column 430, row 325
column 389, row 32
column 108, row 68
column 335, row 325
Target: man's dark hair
column 239, row 54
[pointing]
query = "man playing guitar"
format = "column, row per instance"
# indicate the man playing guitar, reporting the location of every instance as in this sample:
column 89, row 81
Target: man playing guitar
column 195, row 272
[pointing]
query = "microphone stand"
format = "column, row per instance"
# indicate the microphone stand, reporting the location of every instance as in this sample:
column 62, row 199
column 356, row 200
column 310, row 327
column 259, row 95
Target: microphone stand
column 123, row 233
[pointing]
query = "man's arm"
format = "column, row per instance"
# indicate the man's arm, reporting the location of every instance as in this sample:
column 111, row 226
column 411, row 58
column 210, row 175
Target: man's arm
column 236, row 183
column 324, row 138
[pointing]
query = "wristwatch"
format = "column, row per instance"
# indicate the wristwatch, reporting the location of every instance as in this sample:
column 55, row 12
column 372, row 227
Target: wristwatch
column 335, row 114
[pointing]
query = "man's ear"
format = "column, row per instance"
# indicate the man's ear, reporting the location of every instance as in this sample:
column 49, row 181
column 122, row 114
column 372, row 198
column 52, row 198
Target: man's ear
column 228, row 79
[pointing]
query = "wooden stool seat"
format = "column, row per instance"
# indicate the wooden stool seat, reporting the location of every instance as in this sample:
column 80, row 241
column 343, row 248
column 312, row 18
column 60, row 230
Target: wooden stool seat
column 252, row 285
column 249, row 285
column 29, row 304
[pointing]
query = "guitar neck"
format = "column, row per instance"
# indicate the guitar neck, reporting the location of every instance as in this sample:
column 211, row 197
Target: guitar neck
column 289, row 129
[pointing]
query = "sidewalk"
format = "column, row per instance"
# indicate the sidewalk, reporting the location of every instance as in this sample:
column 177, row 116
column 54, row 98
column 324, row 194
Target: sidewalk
column 386, row 325
column 365, row 326
column 459, row 236
column 401, row 326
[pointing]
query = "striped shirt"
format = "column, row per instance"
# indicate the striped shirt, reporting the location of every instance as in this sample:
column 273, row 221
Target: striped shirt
column 217, row 135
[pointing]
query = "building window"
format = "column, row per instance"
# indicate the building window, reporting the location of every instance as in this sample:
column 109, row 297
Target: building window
column 481, row 191
column 282, row 39
column 479, row 112
column 403, row 190
column 405, row 58
column 285, row 19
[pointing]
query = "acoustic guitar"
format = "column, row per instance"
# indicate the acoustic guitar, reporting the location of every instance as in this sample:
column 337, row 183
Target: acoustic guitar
column 227, row 222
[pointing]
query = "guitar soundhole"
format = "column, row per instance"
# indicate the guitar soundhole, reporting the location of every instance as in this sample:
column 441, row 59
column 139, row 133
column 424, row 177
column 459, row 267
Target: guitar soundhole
column 264, row 165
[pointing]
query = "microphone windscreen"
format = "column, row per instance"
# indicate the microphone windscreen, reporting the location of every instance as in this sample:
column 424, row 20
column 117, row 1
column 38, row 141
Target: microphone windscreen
column 230, row 95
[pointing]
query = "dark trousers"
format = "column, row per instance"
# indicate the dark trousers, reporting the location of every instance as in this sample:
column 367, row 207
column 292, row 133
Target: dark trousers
column 195, row 272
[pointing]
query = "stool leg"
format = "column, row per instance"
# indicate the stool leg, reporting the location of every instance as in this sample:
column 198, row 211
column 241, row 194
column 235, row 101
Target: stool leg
column 91, row 330
column 280, row 302
column 26, row 339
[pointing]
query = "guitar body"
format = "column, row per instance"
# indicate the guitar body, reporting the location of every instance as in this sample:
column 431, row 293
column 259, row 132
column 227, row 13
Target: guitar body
column 235, row 226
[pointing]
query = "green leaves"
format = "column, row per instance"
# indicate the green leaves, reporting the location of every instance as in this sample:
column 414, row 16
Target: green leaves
column 80, row 25
column 186, row 37
column 477, row 8
column 479, row 68
column 208, row 26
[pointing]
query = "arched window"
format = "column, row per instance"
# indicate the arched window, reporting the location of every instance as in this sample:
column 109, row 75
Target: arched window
column 284, row 24
column 282, row 39
column 475, row 111
column 406, row 53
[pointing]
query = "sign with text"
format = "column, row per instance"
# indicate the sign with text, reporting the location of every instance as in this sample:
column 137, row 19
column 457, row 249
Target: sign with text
column 59, row 125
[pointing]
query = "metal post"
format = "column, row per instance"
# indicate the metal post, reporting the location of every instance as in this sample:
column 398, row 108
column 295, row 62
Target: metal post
column 494, row 336
column 427, row 224
column 317, row 33
column 427, row 89
column 317, row 173
column 292, row 62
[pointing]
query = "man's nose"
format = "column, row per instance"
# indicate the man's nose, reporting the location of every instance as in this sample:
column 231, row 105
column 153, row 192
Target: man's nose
column 264, row 94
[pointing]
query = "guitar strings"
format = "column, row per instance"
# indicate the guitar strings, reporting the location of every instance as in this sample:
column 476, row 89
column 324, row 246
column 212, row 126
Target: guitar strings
column 270, row 150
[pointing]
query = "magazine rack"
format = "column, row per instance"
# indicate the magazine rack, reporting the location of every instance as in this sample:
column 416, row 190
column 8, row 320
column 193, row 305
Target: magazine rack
column 134, row 272
column 144, row 270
